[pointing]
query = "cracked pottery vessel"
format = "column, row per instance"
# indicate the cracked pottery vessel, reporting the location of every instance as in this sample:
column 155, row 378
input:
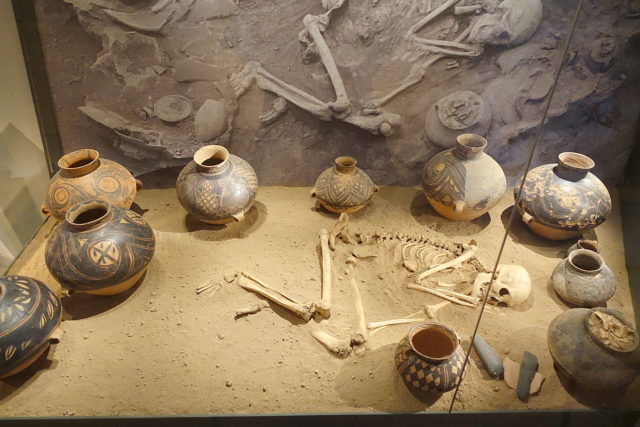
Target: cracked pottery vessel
column 596, row 360
column 430, row 358
column 344, row 188
column 564, row 200
column 83, row 175
column 217, row 187
column 583, row 279
column 463, row 183
column 30, row 315
column 99, row 249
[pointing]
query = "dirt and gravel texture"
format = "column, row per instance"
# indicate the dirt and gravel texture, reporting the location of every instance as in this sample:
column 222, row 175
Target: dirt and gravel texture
column 162, row 349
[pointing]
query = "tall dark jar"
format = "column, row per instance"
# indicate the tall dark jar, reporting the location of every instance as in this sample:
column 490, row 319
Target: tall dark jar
column 30, row 314
column 100, row 249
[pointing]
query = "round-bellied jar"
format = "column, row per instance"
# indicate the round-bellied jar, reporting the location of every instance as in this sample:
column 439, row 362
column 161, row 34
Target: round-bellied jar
column 583, row 279
column 344, row 188
column 564, row 200
column 30, row 314
column 100, row 249
column 430, row 358
column 463, row 183
column 217, row 187
column 83, row 175
column 594, row 347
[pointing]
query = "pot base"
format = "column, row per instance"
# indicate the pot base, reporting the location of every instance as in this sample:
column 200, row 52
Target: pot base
column 553, row 233
column 116, row 289
column 24, row 365
column 339, row 211
column 449, row 213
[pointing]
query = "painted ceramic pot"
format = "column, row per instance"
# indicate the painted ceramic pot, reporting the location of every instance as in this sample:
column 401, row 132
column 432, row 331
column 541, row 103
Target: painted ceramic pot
column 564, row 200
column 583, row 279
column 457, row 113
column 217, row 187
column 30, row 314
column 430, row 358
column 463, row 183
column 344, row 188
column 83, row 175
column 99, row 249
column 594, row 347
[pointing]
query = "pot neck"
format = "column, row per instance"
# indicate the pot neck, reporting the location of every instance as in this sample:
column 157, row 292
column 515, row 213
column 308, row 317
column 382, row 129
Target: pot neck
column 345, row 164
column 88, row 215
column 585, row 261
column 79, row 163
column 469, row 146
column 212, row 159
column 573, row 166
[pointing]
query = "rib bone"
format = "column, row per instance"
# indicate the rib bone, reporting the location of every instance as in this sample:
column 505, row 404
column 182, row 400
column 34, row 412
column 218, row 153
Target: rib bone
column 470, row 251
column 250, row 283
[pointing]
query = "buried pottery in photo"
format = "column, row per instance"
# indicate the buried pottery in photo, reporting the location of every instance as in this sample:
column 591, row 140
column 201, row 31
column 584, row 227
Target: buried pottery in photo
column 594, row 347
column 564, row 200
column 430, row 358
column 344, row 188
column 83, row 175
column 463, row 183
column 99, row 249
column 583, row 279
column 30, row 314
column 217, row 187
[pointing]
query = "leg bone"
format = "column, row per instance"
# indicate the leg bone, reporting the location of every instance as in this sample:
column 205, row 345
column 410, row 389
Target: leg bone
column 249, row 283
column 324, row 306
column 340, row 348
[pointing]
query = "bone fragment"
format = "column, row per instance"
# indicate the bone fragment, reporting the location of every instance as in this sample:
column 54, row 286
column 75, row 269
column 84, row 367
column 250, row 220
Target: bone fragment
column 431, row 310
column 357, row 299
column 251, row 309
column 340, row 348
column 374, row 325
column 468, row 298
column 338, row 229
column 250, row 283
column 324, row 306
column 439, row 294
column 230, row 277
column 208, row 287
column 279, row 108
column 446, row 285
column 470, row 251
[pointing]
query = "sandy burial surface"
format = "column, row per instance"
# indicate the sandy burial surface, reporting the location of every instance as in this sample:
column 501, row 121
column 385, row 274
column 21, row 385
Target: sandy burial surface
column 162, row 349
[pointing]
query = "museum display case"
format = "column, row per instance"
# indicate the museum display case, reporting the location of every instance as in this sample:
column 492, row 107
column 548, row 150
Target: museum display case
column 235, row 207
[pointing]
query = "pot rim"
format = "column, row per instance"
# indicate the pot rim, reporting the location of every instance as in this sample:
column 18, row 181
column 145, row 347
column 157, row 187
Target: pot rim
column 79, row 208
column 426, row 325
column 590, row 254
column 209, row 152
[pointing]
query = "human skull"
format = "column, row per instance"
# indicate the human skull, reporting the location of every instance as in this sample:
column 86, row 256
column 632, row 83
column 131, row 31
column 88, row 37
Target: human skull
column 511, row 22
column 511, row 287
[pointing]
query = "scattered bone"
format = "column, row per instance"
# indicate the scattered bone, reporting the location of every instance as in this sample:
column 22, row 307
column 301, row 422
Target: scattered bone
column 374, row 325
column 340, row 348
column 324, row 306
column 278, row 109
column 208, row 287
column 230, row 277
column 357, row 299
column 364, row 253
column 440, row 294
column 470, row 251
column 338, row 229
column 431, row 310
column 161, row 4
column 210, row 121
column 251, row 309
column 469, row 298
column 250, row 283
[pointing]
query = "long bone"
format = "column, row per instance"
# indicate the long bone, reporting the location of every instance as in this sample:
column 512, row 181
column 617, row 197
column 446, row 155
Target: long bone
column 383, row 323
column 339, row 229
column 357, row 299
column 439, row 294
column 250, row 283
column 323, row 307
column 338, row 347
column 470, row 251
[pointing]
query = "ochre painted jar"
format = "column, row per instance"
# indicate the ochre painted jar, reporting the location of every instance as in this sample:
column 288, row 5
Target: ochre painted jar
column 30, row 314
column 564, row 200
column 217, row 187
column 344, row 188
column 430, row 358
column 463, row 183
column 594, row 353
column 83, row 175
column 583, row 279
column 100, row 249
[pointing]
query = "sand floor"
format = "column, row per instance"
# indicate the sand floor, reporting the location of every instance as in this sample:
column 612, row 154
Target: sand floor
column 162, row 349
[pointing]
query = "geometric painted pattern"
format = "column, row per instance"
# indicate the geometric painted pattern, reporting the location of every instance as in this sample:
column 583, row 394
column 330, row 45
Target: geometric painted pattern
column 344, row 191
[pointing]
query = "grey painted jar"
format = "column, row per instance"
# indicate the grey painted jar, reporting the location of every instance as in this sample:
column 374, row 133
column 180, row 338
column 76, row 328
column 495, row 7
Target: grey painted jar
column 583, row 279
column 344, row 188
column 100, row 249
column 562, row 201
column 430, row 358
column 463, row 183
column 585, row 357
column 83, row 175
column 217, row 187
column 30, row 314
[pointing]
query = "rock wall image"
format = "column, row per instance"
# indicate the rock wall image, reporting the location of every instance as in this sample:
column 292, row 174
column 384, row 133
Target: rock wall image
column 291, row 84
